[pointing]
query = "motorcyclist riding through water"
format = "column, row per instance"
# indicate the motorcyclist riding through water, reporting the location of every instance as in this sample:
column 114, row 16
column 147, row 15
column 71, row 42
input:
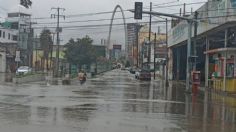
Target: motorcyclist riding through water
column 82, row 77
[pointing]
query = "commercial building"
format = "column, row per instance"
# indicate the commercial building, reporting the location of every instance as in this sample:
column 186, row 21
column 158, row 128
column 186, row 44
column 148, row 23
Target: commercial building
column 8, row 45
column 19, row 20
column 132, row 41
column 214, row 45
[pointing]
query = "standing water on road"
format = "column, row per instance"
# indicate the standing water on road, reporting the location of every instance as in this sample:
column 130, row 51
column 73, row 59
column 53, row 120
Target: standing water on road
column 112, row 102
column 99, row 65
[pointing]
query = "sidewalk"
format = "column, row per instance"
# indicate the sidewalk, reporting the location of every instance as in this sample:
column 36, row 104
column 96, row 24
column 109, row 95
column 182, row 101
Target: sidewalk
column 201, row 89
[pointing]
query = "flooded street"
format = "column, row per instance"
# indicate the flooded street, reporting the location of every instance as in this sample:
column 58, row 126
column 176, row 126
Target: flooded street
column 114, row 102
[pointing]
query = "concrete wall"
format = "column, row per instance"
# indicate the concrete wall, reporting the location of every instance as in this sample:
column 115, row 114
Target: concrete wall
column 30, row 78
column 2, row 61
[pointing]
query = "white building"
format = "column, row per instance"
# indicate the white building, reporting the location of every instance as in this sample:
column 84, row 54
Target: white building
column 20, row 18
column 9, row 31
column 7, row 36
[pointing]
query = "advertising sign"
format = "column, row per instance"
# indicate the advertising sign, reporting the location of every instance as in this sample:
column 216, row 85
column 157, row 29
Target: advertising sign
column 17, row 59
column 117, row 47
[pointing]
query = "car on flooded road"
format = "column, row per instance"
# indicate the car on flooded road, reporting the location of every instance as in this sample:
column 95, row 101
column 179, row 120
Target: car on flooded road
column 22, row 70
column 144, row 75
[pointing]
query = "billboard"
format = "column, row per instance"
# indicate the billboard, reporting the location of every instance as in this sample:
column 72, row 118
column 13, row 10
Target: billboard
column 117, row 47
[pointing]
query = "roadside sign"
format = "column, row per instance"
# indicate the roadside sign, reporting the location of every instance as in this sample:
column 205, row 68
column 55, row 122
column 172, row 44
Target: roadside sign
column 17, row 59
column 138, row 13
column 117, row 47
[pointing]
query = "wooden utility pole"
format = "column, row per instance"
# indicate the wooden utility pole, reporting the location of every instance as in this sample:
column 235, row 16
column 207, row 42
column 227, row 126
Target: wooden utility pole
column 149, row 38
column 155, row 56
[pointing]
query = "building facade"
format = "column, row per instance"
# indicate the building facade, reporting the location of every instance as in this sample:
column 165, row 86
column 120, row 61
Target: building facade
column 214, row 41
column 19, row 19
column 132, row 41
column 8, row 45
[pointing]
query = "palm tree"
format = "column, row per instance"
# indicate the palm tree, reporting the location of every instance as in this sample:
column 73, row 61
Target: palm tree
column 46, row 44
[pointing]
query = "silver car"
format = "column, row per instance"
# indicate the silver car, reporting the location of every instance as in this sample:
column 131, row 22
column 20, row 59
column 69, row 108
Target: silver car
column 23, row 70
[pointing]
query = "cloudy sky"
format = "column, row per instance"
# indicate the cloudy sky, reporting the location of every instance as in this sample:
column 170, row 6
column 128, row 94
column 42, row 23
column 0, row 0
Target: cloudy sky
column 74, row 9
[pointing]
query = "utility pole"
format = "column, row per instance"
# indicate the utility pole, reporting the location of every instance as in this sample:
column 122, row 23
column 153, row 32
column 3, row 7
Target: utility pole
column 149, row 38
column 58, row 30
column 137, row 41
column 184, row 12
column 36, row 48
column 51, row 48
column 167, row 56
column 195, row 41
column 30, row 43
column 155, row 56
column 188, row 68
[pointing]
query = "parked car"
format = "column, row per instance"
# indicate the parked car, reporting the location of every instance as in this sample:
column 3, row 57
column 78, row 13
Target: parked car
column 122, row 68
column 22, row 70
column 143, row 75
column 133, row 70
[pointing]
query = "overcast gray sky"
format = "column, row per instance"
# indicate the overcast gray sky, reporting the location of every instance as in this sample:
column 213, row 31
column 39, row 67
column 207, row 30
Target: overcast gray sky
column 42, row 8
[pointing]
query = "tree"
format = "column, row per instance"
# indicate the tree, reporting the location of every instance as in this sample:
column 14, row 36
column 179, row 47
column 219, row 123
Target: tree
column 80, row 52
column 46, row 44
column 26, row 3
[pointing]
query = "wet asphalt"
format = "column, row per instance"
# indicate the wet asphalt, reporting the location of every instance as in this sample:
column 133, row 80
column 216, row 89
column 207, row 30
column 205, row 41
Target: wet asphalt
column 113, row 102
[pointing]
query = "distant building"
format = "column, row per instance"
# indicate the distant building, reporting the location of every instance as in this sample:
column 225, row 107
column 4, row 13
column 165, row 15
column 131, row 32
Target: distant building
column 19, row 20
column 116, row 51
column 132, row 39
column 8, row 45
column 100, row 50
column 159, row 53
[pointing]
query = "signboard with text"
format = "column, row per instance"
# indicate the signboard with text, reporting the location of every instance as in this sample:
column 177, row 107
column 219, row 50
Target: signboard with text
column 117, row 47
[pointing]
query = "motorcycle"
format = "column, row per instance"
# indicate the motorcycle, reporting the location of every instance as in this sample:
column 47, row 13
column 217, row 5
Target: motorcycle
column 82, row 80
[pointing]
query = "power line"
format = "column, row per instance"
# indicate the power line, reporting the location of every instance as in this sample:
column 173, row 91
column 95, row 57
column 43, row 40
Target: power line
column 127, row 10
column 83, row 29
column 148, row 7
column 93, row 20
column 98, row 25
column 83, row 15
column 105, row 31
column 166, row 3
column 177, row 5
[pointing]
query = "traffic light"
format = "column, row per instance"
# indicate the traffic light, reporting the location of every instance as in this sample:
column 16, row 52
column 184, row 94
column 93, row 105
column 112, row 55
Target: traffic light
column 138, row 13
column 26, row 3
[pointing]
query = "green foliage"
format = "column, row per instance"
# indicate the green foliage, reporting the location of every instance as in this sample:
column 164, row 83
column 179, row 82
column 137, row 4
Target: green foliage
column 80, row 52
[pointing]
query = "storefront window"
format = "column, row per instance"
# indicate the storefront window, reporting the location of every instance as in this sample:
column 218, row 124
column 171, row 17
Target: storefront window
column 230, row 70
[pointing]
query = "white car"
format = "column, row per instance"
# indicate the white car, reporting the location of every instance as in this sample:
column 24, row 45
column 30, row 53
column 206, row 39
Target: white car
column 23, row 70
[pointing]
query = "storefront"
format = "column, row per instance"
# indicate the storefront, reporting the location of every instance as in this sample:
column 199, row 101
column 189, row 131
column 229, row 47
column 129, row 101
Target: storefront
column 222, row 69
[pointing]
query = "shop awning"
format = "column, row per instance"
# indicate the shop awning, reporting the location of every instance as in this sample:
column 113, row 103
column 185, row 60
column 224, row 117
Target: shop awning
column 219, row 50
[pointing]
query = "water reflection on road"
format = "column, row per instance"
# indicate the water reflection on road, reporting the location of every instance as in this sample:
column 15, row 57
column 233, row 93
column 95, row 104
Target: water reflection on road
column 114, row 102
